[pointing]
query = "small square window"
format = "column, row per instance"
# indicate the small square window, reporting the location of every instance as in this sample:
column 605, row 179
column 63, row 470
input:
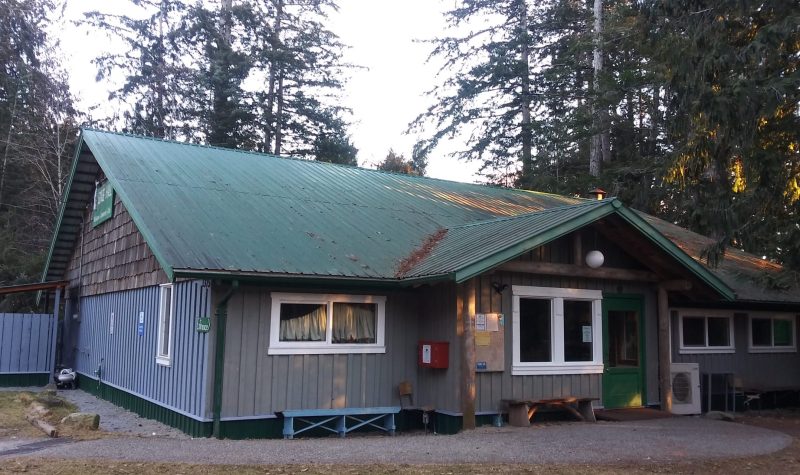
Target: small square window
column 706, row 331
column 772, row 333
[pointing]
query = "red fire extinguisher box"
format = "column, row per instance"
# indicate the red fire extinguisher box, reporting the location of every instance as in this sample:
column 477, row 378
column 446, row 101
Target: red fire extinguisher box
column 433, row 354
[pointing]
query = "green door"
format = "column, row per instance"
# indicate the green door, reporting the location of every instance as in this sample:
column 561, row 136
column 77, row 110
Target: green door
column 623, row 351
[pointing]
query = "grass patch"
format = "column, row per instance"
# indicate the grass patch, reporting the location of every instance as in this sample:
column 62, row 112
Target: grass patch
column 14, row 405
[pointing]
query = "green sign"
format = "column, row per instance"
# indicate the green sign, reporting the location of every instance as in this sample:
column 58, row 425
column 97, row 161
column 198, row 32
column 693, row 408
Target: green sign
column 203, row 324
column 103, row 203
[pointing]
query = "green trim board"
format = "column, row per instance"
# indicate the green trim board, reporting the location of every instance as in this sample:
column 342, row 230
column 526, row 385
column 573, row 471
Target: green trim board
column 10, row 380
column 625, row 386
column 144, row 408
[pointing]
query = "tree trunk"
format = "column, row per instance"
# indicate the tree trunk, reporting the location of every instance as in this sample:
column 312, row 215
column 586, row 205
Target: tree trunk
column 598, row 127
column 527, row 140
column 269, row 119
column 279, row 115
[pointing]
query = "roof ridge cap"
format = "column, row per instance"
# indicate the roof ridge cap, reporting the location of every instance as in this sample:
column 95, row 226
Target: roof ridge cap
column 588, row 204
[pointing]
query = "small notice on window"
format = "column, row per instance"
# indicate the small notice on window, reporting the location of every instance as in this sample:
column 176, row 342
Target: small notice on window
column 480, row 322
column 587, row 333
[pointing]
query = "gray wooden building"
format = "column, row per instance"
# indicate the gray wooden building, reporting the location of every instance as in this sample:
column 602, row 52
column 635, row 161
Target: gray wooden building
column 214, row 289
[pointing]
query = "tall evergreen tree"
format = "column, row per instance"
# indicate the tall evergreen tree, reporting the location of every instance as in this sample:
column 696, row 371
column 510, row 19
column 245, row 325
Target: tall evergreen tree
column 734, row 125
column 37, row 130
column 153, row 92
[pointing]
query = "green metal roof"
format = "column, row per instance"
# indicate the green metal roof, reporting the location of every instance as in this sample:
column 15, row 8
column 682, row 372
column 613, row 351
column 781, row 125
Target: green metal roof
column 470, row 249
column 212, row 211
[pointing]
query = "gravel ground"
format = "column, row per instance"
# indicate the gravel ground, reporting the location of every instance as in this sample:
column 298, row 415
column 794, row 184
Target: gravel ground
column 662, row 440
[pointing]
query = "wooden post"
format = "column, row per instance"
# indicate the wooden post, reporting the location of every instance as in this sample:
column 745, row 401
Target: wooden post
column 664, row 350
column 577, row 249
column 54, row 336
column 664, row 362
column 466, row 311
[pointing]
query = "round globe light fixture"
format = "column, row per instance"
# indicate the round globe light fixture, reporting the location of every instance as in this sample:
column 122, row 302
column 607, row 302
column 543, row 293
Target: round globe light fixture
column 595, row 259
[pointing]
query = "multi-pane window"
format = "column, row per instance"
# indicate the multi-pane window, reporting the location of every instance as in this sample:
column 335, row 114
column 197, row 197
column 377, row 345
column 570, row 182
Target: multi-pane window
column 316, row 324
column 770, row 333
column 556, row 331
column 166, row 310
column 705, row 331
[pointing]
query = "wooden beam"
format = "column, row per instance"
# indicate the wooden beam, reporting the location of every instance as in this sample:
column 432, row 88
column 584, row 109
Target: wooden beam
column 466, row 314
column 572, row 270
column 577, row 257
column 15, row 289
column 664, row 359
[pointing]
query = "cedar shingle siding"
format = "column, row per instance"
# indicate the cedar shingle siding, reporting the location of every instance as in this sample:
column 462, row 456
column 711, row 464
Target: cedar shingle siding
column 115, row 256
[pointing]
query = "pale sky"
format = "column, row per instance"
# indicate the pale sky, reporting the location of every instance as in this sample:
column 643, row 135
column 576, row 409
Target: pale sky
column 385, row 96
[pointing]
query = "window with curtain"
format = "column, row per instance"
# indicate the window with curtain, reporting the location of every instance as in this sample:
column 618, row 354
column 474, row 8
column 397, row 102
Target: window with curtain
column 772, row 333
column 326, row 323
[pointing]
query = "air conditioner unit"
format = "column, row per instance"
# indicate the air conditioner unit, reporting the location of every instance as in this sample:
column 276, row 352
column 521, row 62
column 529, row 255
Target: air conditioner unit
column 685, row 388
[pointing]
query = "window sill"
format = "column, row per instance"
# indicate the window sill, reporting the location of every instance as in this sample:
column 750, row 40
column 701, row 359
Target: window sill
column 326, row 350
column 706, row 350
column 560, row 368
column 773, row 350
column 163, row 361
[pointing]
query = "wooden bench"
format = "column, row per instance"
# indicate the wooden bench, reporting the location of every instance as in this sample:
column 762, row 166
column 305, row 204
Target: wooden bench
column 520, row 412
column 336, row 420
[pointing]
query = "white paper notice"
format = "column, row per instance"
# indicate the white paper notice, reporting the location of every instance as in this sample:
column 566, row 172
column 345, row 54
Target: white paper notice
column 587, row 333
column 480, row 322
column 493, row 322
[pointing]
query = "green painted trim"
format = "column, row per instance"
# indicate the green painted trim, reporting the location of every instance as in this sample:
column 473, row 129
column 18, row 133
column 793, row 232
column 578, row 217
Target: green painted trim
column 62, row 208
column 592, row 214
column 251, row 429
column 677, row 253
column 135, row 216
column 145, row 408
column 219, row 358
column 24, row 379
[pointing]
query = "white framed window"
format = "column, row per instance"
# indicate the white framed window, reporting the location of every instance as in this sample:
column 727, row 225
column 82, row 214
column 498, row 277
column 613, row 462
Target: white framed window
column 705, row 331
column 772, row 333
column 326, row 324
column 166, row 319
column 556, row 331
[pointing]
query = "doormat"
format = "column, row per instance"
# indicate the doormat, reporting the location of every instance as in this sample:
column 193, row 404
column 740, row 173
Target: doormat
column 630, row 414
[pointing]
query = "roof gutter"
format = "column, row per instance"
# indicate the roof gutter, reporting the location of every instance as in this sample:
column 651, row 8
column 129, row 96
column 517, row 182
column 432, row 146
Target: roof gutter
column 221, row 315
column 304, row 279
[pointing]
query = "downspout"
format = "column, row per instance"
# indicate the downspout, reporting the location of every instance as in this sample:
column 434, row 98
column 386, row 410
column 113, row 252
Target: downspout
column 221, row 316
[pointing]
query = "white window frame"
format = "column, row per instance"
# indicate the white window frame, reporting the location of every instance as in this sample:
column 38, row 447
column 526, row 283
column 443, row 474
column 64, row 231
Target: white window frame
column 277, row 347
column 771, row 349
column 162, row 359
column 558, row 365
column 705, row 314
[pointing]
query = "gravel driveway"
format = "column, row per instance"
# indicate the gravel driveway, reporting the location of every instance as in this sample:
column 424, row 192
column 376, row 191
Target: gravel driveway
column 666, row 440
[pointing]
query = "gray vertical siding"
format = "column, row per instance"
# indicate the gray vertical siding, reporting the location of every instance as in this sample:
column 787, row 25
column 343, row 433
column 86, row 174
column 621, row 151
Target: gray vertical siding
column 756, row 370
column 439, row 388
column 257, row 384
column 493, row 387
column 25, row 342
column 129, row 360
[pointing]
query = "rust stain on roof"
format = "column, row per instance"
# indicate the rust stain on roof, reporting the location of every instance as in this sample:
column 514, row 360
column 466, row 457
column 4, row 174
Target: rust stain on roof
column 420, row 253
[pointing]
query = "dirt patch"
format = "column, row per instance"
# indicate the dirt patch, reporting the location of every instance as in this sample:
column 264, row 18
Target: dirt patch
column 13, row 424
column 13, row 406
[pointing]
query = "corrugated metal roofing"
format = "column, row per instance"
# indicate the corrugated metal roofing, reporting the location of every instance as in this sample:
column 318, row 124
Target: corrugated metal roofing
column 208, row 208
column 466, row 244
